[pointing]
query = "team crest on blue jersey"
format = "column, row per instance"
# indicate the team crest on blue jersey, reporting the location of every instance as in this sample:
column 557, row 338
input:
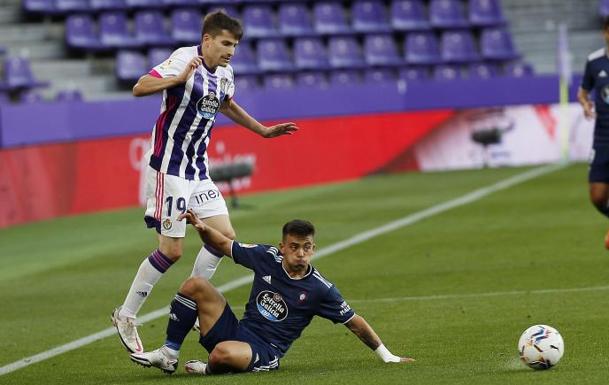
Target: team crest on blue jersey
column 272, row 306
column 208, row 106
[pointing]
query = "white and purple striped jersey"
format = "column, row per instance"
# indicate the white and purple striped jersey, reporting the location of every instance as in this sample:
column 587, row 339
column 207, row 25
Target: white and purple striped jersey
column 182, row 132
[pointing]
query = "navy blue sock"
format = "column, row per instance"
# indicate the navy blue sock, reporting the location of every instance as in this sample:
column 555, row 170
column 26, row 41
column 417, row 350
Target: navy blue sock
column 182, row 316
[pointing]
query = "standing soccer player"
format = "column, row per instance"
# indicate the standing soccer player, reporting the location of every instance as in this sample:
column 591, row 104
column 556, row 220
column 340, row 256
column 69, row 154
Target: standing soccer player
column 196, row 82
column 596, row 77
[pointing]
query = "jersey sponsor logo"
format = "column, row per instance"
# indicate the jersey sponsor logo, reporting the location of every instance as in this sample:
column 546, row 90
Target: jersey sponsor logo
column 208, row 106
column 272, row 306
column 205, row 196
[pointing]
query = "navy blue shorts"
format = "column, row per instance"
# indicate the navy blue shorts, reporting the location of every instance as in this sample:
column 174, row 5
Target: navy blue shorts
column 227, row 328
column 599, row 165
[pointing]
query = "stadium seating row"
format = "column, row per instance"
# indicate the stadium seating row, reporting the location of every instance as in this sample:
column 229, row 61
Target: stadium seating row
column 365, row 14
column 378, row 50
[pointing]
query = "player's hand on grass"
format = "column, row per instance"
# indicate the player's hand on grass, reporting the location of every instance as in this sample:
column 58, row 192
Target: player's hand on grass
column 190, row 68
column 280, row 129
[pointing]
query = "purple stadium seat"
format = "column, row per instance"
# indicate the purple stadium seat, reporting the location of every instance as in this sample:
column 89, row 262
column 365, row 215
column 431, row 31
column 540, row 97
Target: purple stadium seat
column 345, row 52
column 497, row 44
column 186, row 26
column 380, row 75
column 345, row 77
column 310, row 53
column 421, row 48
column 414, row 73
column 39, row 6
column 18, row 74
column 447, row 72
column 107, row 5
column 158, row 55
column 311, row 79
column 295, row 19
column 273, row 55
column 447, row 14
column 603, row 8
column 458, row 47
column 409, row 15
column 114, row 31
column 485, row 13
column 81, row 33
column 227, row 8
column 369, row 16
column 381, row 50
column 130, row 65
column 247, row 82
column 244, row 62
column 150, row 29
column 69, row 95
column 180, row 3
column 330, row 18
column 519, row 69
column 278, row 81
column 258, row 21
column 68, row 6
column 483, row 71
column 30, row 97
column 144, row 3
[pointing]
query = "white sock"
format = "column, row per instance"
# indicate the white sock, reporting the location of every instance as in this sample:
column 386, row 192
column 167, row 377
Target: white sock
column 205, row 264
column 145, row 279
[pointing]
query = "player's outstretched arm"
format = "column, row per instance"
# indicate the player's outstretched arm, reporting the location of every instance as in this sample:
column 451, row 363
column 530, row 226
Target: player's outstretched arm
column 209, row 235
column 237, row 114
column 367, row 335
column 148, row 85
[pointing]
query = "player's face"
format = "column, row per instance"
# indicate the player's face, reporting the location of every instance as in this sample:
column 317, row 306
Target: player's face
column 218, row 50
column 297, row 252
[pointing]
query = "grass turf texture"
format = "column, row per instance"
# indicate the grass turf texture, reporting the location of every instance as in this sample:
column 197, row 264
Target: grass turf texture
column 60, row 280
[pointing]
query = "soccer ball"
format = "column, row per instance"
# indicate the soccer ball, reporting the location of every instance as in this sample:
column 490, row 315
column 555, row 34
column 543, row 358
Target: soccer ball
column 541, row 347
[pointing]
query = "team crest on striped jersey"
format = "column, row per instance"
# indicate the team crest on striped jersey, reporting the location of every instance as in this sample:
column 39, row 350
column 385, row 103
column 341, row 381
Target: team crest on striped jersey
column 208, row 106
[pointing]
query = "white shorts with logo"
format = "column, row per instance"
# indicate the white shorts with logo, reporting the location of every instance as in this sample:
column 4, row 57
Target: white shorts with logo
column 168, row 196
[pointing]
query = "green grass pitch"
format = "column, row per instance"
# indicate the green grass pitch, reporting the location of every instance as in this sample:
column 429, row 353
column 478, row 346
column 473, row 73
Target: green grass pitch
column 453, row 291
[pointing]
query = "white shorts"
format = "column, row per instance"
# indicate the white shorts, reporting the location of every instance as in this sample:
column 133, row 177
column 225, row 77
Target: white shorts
column 168, row 196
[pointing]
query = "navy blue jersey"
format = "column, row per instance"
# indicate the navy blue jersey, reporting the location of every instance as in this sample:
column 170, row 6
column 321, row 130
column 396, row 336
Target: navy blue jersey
column 280, row 307
column 596, row 78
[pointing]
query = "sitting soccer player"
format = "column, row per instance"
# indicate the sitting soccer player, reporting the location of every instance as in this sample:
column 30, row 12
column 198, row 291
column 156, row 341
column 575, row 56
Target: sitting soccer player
column 286, row 293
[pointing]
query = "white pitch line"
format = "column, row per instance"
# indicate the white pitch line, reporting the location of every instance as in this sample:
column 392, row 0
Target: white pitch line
column 336, row 247
column 480, row 295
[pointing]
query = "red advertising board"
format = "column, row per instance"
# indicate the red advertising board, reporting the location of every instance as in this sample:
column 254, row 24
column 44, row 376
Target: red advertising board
column 46, row 181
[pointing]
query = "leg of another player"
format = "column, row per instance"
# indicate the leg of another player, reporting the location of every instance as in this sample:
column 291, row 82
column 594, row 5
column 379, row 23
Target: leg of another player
column 599, row 196
column 227, row 356
column 149, row 273
column 208, row 258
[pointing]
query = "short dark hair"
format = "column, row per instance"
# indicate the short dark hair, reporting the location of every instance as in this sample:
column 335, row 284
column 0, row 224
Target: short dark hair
column 298, row 227
column 215, row 22
column 606, row 23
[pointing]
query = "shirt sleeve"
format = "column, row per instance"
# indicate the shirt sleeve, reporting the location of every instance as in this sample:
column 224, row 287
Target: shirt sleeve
column 230, row 89
column 251, row 255
column 173, row 66
column 588, row 78
column 334, row 307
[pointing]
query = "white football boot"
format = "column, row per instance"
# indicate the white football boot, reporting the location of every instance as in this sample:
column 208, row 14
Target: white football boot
column 127, row 332
column 158, row 358
column 195, row 367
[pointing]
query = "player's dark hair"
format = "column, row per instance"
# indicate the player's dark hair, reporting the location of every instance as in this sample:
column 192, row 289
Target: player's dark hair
column 215, row 22
column 606, row 23
column 299, row 228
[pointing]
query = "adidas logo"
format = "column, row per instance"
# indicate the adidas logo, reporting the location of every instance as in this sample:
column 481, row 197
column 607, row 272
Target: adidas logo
column 602, row 74
column 174, row 317
column 143, row 294
column 267, row 279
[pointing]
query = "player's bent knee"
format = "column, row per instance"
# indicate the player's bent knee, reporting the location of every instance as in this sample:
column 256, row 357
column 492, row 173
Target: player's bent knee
column 223, row 359
column 193, row 285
